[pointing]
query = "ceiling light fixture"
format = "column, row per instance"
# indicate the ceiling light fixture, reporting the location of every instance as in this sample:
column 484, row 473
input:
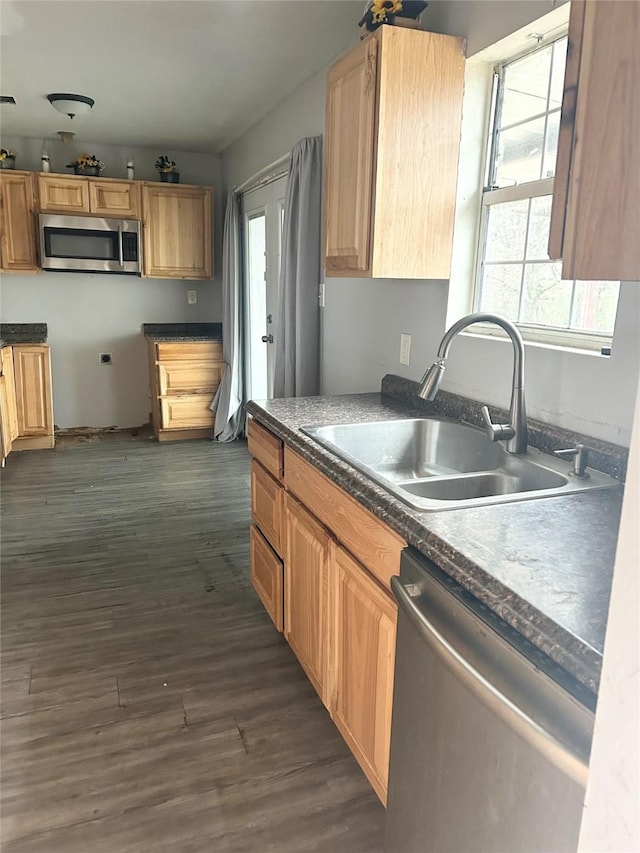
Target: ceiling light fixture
column 70, row 105
column 65, row 135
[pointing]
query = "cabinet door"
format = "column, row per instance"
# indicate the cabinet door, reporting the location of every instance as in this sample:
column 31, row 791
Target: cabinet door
column 267, row 505
column 187, row 411
column 349, row 159
column 306, row 591
column 267, row 576
column 363, row 624
column 32, row 365
column 114, row 198
column 5, row 430
column 9, row 374
column 63, row 194
column 596, row 208
column 189, row 377
column 18, row 224
column 177, row 231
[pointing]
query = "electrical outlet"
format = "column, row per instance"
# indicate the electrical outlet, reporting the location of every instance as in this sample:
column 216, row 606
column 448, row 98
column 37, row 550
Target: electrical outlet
column 105, row 358
column 192, row 297
column 405, row 349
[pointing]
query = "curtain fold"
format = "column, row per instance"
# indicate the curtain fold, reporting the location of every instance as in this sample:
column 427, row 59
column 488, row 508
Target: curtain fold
column 227, row 403
column 297, row 358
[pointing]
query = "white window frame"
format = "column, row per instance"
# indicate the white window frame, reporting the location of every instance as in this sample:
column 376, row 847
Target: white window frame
column 554, row 336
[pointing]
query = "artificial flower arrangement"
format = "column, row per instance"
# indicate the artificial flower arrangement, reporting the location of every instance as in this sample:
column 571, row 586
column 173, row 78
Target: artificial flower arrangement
column 7, row 158
column 381, row 12
column 168, row 170
column 87, row 163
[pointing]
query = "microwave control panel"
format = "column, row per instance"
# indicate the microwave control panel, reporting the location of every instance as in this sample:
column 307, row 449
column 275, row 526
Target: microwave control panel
column 129, row 247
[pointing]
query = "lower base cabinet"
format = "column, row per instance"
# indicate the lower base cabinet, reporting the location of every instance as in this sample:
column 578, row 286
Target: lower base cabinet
column 364, row 640
column 339, row 616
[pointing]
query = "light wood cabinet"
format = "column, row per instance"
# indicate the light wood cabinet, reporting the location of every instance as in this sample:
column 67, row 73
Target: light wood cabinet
column 266, row 448
column 364, row 625
column 5, row 430
column 267, row 576
column 184, row 377
column 109, row 197
column 63, row 193
column 306, row 568
column 596, row 198
column 34, row 402
column 6, row 360
column 18, row 243
column 177, row 224
column 267, row 505
column 394, row 106
column 94, row 196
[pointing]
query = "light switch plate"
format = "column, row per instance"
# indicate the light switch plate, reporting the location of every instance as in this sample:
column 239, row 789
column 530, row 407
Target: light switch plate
column 192, row 297
column 405, row 349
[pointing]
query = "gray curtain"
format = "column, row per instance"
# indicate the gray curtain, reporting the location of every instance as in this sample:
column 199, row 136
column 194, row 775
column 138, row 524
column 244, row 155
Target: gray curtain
column 227, row 404
column 297, row 360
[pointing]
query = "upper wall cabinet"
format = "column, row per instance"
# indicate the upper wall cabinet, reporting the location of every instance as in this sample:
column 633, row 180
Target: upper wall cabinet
column 97, row 196
column 595, row 219
column 394, row 107
column 177, row 231
column 18, row 252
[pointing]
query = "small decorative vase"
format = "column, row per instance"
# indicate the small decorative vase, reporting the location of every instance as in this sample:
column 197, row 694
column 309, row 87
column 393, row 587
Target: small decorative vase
column 8, row 163
column 91, row 171
column 170, row 177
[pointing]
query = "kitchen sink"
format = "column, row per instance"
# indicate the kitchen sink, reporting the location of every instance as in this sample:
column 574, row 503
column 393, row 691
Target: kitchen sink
column 434, row 464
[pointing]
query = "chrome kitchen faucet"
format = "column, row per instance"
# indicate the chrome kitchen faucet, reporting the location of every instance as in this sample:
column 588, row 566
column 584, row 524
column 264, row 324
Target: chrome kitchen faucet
column 515, row 432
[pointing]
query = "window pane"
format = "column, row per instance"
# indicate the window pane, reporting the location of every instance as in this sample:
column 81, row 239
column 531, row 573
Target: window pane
column 526, row 85
column 594, row 306
column 520, row 153
column 506, row 231
column 500, row 292
column 551, row 146
column 539, row 220
column 557, row 73
column 547, row 299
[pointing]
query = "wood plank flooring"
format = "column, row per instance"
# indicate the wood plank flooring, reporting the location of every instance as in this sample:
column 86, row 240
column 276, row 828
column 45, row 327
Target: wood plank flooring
column 148, row 704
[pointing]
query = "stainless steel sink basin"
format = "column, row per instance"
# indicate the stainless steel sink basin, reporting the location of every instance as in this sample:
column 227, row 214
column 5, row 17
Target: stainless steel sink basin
column 433, row 464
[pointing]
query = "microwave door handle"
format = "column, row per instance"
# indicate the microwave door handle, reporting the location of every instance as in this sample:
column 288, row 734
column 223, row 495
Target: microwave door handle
column 120, row 249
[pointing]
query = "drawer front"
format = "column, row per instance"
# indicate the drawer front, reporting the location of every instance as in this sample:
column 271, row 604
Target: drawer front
column 189, row 411
column 189, row 377
column 266, row 448
column 267, row 576
column 369, row 540
column 189, row 351
column 267, row 505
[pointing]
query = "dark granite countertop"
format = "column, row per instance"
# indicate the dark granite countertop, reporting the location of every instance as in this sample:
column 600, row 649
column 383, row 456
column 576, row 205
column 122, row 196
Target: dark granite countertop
column 544, row 566
column 23, row 333
column 182, row 331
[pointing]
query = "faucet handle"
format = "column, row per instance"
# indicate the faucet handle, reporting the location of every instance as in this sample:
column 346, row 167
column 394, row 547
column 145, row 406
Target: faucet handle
column 496, row 432
column 580, row 455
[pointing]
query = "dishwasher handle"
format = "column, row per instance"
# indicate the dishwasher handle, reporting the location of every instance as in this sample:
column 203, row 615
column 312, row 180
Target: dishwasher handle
column 537, row 737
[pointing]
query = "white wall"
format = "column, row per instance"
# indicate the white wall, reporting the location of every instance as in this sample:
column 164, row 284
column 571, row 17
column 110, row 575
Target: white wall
column 89, row 314
column 363, row 319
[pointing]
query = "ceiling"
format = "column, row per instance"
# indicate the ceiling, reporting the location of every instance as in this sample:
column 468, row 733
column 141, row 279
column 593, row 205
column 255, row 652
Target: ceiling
column 176, row 74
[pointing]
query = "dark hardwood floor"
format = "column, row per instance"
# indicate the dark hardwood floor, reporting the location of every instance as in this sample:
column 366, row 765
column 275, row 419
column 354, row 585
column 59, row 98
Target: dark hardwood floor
column 148, row 704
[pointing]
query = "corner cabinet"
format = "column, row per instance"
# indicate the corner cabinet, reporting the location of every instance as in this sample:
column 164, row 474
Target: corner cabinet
column 595, row 218
column 394, row 110
column 322, row 572
column 18, row 245
column 177, row 224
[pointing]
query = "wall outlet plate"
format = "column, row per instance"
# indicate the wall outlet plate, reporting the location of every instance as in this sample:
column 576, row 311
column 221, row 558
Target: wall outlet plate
column 192, row 297
column 405, row 349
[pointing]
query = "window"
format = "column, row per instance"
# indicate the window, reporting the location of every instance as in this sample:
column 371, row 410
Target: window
column 515, row 277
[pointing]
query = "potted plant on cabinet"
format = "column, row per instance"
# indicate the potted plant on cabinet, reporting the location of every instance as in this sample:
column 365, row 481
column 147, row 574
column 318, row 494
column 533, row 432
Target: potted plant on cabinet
column 86, row 164
column 7, row 158
column 168, row 170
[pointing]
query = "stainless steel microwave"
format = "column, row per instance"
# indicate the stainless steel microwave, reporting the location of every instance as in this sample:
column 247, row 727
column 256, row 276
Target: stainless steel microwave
column 90, row 244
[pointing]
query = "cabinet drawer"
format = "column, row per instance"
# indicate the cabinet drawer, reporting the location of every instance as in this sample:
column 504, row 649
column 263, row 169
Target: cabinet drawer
column 189, row 377
column 372, row 542
column 267, row 576
column 189, row 351
column 268, row 449
column 267, row 505
column 188, row 411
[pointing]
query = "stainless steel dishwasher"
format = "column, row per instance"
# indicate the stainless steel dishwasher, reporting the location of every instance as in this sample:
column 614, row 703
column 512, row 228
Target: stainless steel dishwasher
column 490, row 740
